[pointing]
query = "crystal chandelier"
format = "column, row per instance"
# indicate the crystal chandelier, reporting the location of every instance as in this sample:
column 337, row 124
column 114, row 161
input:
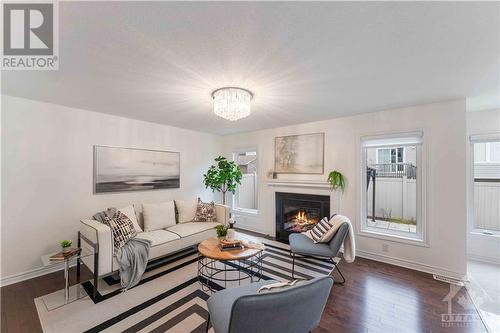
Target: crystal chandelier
column 232, row 103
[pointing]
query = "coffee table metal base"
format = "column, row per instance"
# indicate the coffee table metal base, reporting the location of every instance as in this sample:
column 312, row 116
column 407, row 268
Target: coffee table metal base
column 213, row 273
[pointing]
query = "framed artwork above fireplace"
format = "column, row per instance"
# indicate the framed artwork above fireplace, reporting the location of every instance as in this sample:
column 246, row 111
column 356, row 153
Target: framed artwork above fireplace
column 301, row 154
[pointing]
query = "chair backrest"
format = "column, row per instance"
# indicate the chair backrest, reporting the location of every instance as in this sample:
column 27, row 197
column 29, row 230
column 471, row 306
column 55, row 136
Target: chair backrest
column 338, row 239
column 293, row 310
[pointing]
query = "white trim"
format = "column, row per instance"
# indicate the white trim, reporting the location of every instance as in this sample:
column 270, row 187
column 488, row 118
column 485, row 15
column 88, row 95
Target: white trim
column 394, row 236
column 299, row 183
column 484, row 137
column 15, row 278
column 421, row 238
column 486, row 259
column 410, row 265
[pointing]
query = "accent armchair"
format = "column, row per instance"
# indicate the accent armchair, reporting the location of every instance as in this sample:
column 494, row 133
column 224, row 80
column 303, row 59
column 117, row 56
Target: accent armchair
column 302, row 246
column 294, row 309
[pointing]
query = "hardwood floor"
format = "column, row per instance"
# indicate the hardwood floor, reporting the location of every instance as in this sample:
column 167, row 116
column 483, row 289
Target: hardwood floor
column 377, row 297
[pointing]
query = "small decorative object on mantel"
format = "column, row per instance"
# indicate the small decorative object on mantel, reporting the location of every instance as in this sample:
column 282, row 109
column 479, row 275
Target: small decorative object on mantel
column 66, row 245
column 272, row 175
column 337, row 182
column 223, row 177
column 299, row 153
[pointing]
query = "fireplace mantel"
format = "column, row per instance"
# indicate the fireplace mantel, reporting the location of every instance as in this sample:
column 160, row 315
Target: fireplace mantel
column 299, row 183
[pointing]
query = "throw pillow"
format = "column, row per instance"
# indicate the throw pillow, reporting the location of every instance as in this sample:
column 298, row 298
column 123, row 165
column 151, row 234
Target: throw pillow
column 320, row 229
column 336, row 221
column 129, row 211
column 121, row 228
column 205, row 212
column 186, row 210
column 280, row 286
column 158, row 215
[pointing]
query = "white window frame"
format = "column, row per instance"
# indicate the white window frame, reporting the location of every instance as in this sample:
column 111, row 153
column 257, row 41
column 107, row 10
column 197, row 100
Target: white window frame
column 246, row 211
column 419, row 238
column 473, row 139
column 404, row 153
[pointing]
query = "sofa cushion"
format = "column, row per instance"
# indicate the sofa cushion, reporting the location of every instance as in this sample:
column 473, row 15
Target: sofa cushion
column 158, row 215
column 205, row 212
column 158, row 237
column 129, row 211
column 186, row 209
column 190, row 228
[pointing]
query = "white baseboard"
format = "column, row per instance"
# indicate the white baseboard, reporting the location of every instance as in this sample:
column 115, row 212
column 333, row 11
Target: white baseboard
column 15, row 278
column 486, row 259
column 411, row 265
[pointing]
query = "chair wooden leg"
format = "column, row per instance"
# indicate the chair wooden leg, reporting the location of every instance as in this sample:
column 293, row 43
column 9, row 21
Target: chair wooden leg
column 208, row 324
column 293, row 265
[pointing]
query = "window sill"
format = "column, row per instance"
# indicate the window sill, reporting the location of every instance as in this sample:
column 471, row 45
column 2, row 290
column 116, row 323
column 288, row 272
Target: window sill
column 393, row 237
column 479, row 232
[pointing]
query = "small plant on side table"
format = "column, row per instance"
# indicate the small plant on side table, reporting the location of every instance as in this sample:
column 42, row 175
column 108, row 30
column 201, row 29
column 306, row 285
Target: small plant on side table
column 221, row 231
column 66, row 245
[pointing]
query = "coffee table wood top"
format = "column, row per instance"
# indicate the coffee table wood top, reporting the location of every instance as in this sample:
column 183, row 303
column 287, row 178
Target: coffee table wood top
column 210, row 249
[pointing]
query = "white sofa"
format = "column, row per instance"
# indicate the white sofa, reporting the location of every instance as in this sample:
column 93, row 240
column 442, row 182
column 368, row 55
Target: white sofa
column 96, row 237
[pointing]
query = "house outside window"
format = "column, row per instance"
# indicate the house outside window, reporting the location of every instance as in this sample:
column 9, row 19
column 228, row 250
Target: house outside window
column 392, row 187
column 246, row 196
column 486, row 186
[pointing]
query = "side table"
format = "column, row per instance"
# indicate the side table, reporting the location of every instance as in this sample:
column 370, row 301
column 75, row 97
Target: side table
column 69, row 293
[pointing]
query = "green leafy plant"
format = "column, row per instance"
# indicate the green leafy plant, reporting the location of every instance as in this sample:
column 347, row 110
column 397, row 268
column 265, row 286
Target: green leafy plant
column 223, row 176
column 221, row 230
column 66, row 243
column 336, row 180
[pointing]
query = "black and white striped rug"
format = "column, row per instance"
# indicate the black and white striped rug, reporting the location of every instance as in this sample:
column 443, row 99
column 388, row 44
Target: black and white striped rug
column 168, row 299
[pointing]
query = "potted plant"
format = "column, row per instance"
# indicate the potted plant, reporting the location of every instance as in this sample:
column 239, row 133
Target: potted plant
column 223, row 177
column 221, row 231
column 66, row 245
column 337, row 182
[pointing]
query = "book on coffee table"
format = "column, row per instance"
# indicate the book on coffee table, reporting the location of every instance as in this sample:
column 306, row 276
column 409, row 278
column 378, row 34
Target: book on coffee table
column 228, row 246
column 61, row 256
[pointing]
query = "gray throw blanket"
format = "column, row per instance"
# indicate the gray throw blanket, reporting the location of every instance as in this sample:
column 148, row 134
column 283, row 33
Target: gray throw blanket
column 132, row 257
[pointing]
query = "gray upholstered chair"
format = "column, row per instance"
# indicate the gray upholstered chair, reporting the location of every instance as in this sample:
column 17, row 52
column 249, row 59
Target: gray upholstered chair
column 302, row 246
column 243, row 309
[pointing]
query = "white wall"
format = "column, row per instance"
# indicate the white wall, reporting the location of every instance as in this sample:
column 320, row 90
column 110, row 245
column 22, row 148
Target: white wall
column 444, row 125
column 47, row 170
column 481, row 247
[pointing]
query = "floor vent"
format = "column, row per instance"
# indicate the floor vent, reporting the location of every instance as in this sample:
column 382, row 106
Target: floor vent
column 448, row 280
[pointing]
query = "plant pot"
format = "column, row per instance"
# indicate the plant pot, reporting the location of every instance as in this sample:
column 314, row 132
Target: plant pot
column 66, row 249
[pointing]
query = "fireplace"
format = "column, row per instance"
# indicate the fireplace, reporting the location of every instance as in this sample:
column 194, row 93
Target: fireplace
column 297, row 212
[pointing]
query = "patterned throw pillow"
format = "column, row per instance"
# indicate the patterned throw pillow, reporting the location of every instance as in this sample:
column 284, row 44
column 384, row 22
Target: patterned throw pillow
column 121, row 227
column 320, row 229
column 205, row 212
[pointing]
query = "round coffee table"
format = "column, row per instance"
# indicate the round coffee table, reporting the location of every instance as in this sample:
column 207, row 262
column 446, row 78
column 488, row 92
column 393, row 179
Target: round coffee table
column 215, row 265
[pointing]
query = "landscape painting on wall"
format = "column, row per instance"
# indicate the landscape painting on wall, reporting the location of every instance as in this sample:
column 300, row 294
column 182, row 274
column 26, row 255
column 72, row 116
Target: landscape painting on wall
column 129, row 169
column 299, row 153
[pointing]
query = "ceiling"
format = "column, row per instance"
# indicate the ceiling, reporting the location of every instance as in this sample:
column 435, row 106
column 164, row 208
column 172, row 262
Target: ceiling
column 304, row 61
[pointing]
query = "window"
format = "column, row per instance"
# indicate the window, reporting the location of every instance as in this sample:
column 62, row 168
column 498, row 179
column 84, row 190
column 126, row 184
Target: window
column 487, row 152
column 392, row 186
column 245, row 197
column 486, row 188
